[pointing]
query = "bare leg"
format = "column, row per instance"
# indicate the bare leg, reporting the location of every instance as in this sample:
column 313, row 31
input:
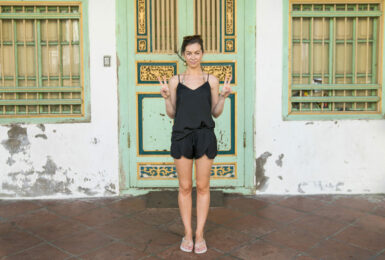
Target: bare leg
column 203, row 168
column 184, row 170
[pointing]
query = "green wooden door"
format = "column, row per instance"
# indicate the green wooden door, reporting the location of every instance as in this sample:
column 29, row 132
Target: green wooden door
column 149, row 32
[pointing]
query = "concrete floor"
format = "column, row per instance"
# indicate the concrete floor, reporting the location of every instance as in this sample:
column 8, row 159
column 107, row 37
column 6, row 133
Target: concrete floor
column 245, row 227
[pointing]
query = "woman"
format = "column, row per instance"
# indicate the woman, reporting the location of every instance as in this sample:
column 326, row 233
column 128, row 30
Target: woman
column 191, row 100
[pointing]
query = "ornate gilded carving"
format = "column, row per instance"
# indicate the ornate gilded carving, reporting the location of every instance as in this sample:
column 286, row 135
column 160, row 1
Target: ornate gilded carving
column 157, row 171
column 223, row 171
column 142, row 45
column 141, row 17
column 148, row 73
column 229, row 43
column 229, row 17
column 218, row 70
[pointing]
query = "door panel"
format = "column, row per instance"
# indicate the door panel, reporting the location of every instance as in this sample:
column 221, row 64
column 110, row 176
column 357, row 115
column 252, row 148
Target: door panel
column 155, row 31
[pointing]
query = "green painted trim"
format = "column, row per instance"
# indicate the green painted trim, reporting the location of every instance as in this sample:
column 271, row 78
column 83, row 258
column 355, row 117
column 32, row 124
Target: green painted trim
column 328, row 115
column 334, row 86
column 42, row 89
column 39, row 16
column 122, row 46
column 354, row 46
column 16, row 54
column 58, row 118
column 285, row 59
column 383, row 71
column 374, row 52
column 123, row 57
column 17, row 102
column 249, row 45
column 336, row 14
column 310, row 99
column 140, row 97
column 331, row 50
column 233, row 19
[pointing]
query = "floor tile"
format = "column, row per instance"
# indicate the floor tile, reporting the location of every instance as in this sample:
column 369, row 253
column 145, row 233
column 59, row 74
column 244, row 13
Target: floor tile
column 83, row 242
column 245, row 205
column 318, row 226
column 70, row 208
column 225, row 239
column 153, row 240
column 252, row 225
column 336, row 212
column 128, row 205
column 16, row 241
column 40, row 252
column 279, row 213
column 356, row 202
column 372, row 222
column 363, row 238
column 302, row 203
column 294, row 238
column 223, row 215
column 14, row 208
column 97, row 216
column 116, row 251
column 157, row 216
column 334, row 250
column 263, row 250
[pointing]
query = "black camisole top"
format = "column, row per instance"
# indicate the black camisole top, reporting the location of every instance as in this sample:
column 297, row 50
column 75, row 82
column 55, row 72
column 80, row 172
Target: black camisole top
column 193, row 110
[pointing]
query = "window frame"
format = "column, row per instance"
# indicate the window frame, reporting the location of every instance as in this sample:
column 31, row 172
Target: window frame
column 286, row 62
column 85, row 115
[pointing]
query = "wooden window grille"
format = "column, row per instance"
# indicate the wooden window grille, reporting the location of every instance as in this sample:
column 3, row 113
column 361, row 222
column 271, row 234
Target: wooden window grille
column 40, row 60
column 208, row 23
column 335, row 52
column 163, row 26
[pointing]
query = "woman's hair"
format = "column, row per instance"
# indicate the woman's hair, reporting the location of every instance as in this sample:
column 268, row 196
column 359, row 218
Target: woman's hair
column 187, row 40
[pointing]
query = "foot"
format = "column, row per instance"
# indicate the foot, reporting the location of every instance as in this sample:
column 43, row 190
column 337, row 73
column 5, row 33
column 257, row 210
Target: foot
column 186, row 245
column 200, row 247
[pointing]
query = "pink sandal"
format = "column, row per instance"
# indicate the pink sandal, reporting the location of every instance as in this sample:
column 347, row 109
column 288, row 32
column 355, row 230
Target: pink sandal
column 200, row 247
column 186, row 245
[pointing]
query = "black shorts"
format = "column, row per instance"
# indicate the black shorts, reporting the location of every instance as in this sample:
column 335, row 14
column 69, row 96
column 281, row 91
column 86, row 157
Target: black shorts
column 195, row 145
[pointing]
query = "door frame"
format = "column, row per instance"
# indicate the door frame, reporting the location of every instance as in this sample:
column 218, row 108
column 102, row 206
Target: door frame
column 122, row 19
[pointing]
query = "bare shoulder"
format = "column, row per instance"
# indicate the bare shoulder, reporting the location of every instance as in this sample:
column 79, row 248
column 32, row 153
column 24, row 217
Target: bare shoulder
column 214, row 82
column 173, row 81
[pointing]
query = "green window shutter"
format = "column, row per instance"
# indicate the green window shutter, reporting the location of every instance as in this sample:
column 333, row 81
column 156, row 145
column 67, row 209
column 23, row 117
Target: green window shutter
column 42, row 75
column 334, row 52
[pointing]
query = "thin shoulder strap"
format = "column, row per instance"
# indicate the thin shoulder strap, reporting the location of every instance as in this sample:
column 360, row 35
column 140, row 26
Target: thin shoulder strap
column 178, row 79
column 208, row 75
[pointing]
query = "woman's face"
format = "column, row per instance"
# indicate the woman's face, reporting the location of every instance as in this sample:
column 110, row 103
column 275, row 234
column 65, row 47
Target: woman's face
column 193, row 55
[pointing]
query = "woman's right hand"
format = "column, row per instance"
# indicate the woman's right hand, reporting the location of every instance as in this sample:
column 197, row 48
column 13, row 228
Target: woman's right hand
column 164, row 90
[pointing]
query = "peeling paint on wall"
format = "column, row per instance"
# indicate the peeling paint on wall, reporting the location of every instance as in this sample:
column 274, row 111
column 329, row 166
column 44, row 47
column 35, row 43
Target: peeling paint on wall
column 41, row 136
column 279, row 161
column 41, row 127
column 261, row 179
column 321, row 186
column 300, row 190
column 17, row 140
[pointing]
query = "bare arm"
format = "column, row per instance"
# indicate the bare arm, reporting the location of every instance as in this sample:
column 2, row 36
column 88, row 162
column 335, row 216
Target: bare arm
column 219, row 101
column 168, row 92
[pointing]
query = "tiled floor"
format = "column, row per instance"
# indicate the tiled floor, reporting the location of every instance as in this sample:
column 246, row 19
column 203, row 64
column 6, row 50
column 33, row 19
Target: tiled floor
column 251, row 227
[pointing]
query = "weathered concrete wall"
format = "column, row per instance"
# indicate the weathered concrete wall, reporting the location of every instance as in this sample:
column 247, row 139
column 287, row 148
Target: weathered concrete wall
column 307, row 157
column 70, row 160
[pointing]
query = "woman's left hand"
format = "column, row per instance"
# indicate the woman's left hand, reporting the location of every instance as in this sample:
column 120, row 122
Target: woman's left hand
column 226, row 90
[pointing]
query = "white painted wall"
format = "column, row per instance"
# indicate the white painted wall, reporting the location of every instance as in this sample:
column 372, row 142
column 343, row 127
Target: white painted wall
column 341, row 156
column 79, row 159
